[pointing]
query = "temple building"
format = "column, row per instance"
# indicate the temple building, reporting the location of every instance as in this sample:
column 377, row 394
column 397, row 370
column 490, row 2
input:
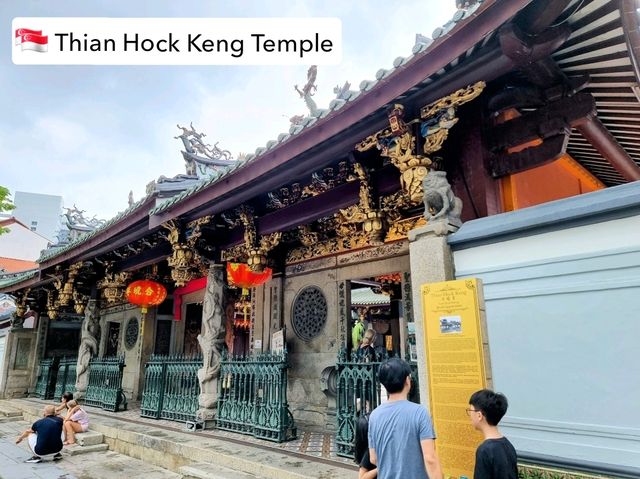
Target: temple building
column 502, row 148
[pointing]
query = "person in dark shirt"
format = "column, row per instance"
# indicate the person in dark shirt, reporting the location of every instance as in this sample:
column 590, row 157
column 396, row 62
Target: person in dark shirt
column 496, row 457
column 366, row 469
column 45, row 436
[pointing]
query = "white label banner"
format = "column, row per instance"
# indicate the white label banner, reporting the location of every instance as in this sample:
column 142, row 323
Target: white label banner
column 176, row 41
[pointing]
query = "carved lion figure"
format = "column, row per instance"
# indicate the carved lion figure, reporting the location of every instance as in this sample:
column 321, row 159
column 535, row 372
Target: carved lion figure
column 440, row 204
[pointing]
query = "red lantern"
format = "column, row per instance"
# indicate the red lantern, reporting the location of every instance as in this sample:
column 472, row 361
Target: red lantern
column 145, row 293
column 241, row 276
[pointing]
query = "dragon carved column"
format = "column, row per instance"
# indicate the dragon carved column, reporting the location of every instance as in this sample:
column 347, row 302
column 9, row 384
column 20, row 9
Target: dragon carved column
column 88, row 347
column 211, row 341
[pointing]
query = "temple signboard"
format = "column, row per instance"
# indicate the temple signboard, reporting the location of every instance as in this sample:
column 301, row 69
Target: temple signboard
column 456, row 365
column 277, row 341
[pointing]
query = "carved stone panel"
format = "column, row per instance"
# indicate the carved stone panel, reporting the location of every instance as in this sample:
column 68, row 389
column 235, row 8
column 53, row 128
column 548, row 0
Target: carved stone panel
column 23, row 349
column 113, row 339
column 131, row 333
column 309, row 313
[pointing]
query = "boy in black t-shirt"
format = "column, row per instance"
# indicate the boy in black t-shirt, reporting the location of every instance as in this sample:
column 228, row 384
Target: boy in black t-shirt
column 495, row 457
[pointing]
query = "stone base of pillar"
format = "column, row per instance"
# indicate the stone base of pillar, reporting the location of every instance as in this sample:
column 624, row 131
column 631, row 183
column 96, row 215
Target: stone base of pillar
column 431, row 261
column 207, row 417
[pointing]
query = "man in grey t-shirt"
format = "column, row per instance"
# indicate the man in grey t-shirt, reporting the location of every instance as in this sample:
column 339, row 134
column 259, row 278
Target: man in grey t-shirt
column 401, row 436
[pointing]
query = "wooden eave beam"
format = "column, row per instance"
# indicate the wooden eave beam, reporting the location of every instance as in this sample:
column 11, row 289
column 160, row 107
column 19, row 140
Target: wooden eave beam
column 538, row 15
column 146, row 258
column 35, row 282
column 606, row 144
column 133, row 226
column 384, row 181
column 507, row 164
column 135, row 233
column 549, row 120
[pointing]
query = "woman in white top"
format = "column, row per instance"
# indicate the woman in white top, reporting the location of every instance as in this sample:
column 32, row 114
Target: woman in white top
column 77, row 420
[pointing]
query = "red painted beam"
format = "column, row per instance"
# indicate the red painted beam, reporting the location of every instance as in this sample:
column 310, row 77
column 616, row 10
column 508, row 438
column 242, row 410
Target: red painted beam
column 606, row 144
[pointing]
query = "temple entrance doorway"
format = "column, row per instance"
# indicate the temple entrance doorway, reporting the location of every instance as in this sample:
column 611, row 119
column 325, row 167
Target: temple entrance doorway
column 241, row 326
column 376, row 304
column 192, row 327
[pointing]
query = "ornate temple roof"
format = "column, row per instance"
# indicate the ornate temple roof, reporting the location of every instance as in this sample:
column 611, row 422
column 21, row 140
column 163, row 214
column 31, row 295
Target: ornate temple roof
column 9, row 279
column 367, row 297
column 50, row 254
column 600, row 45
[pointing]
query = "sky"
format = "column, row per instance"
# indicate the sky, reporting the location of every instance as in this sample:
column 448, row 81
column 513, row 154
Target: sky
column 93, row 133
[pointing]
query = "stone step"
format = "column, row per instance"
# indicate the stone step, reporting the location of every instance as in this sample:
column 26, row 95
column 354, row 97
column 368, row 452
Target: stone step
column 171, row 449
column 89, row 438
column 205, row 470
column 8, row 411
column 77, row 449
column 10, row 418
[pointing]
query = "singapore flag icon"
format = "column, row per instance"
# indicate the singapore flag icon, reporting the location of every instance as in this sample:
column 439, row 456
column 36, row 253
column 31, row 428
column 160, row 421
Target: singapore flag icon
column 32, row 40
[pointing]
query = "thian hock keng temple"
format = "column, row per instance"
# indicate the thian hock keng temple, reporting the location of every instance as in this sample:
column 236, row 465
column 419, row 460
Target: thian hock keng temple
column 270, row 259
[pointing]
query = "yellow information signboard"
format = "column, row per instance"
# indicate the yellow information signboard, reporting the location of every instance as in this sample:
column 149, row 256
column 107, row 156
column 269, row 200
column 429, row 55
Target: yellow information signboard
column 456, row 368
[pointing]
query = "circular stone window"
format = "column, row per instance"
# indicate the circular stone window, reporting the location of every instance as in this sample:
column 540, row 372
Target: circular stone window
column 131, row 333
column 309, row 313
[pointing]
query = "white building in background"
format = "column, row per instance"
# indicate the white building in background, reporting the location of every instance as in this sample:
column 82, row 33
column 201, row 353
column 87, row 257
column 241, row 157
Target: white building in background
column 20, row 247
column 40, row 213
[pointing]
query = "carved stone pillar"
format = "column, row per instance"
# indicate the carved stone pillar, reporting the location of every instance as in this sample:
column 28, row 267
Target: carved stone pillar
column 88, row 347
column 211, row 340
column 16, row 322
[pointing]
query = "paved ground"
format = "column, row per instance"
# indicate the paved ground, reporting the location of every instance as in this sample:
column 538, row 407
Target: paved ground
column 94, row 465
column 313, row 444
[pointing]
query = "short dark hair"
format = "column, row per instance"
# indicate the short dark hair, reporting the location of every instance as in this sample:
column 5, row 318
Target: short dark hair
column 67, row 396
column 393, row 374
column 492, row 405
column 362, row 437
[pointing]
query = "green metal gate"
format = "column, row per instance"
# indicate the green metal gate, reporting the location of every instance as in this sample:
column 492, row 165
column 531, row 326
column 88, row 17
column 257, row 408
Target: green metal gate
column 171, row 388
column 253, row 397
column 45, row 385
column 105, row 383
column 358, row 393
column 66, row 379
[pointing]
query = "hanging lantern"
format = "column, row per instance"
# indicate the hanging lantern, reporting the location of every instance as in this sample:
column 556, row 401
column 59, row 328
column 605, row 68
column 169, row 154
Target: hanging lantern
column 242, row 276
column 145, row 293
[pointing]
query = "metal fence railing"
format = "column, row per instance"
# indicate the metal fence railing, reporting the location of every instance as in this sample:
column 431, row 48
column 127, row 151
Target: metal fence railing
column 66, row 379
column 358, row 393
column 105, row 384
column 253, row 397
column 45, row 384
column 171, row 388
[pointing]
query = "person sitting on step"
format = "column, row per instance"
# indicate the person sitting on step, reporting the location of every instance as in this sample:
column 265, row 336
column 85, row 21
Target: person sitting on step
column 77, row 420
column 45, row 436
column 64, row 401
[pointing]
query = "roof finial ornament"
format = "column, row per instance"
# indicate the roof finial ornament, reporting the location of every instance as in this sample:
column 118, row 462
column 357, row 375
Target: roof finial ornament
column 201, row 158
column 465, row 4
column 342, row 92
column 131, row 201
column 306, row 93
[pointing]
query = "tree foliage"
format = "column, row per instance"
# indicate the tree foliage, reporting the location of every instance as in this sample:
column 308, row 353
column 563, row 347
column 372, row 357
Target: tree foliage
column 5, row 204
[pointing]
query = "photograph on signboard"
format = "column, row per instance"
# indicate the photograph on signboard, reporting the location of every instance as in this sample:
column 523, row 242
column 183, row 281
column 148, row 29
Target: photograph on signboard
column 450, row 324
